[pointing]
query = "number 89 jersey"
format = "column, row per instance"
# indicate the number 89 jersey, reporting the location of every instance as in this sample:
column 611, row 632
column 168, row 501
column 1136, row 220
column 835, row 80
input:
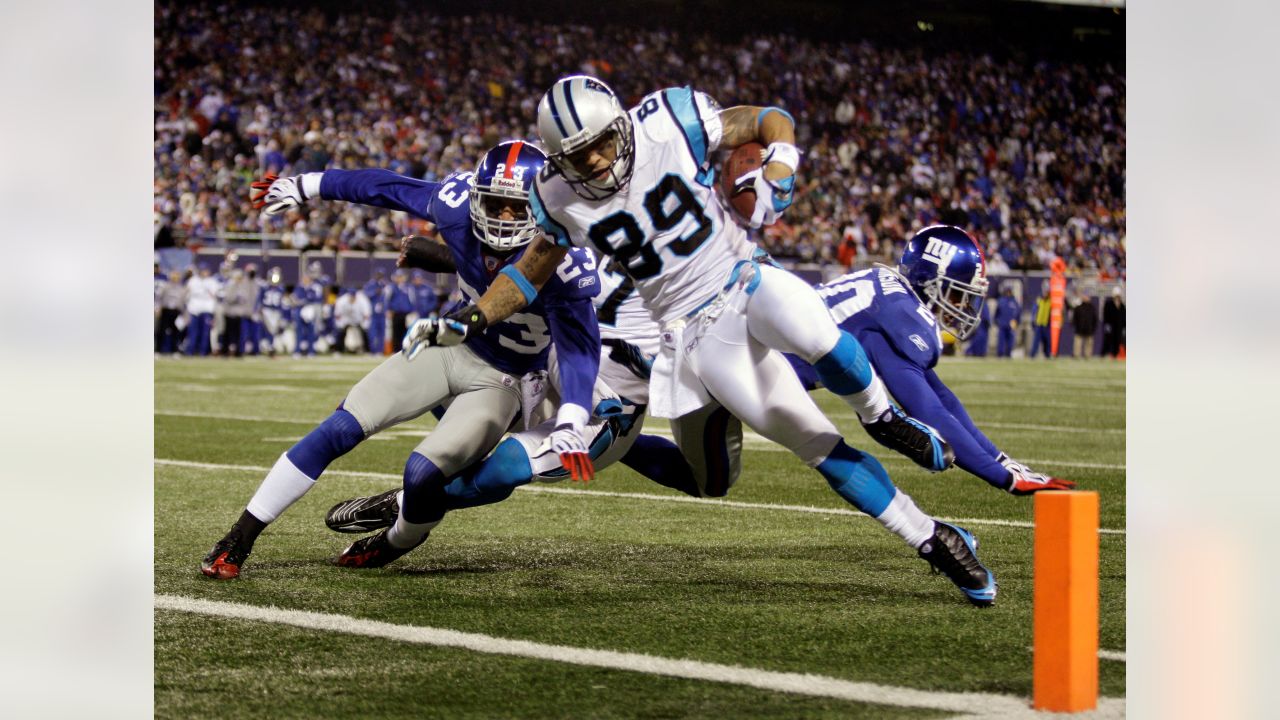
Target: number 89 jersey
column 666, row 227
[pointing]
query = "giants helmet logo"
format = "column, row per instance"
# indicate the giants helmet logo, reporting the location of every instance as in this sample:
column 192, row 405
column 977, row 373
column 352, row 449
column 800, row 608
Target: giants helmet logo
column 940, row 253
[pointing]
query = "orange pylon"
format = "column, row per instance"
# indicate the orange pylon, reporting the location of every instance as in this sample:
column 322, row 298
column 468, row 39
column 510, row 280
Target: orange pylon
column 1065, row 671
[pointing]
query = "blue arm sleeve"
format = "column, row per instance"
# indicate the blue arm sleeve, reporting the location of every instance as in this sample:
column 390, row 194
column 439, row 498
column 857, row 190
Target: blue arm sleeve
column 906, row 382
column 576, row 336
column 808, row 376
column 952, row 403
column 380, row 188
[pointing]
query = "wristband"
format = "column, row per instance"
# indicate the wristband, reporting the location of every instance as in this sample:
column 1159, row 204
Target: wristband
column 309, row 185
column 573, row 415
column 782, row 152
column 526, row 288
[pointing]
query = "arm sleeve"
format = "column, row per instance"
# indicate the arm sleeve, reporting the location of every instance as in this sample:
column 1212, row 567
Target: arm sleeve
column 558, row 233
column 953, row 405
column 907, row 382
column 380, row 188
column 576, row 336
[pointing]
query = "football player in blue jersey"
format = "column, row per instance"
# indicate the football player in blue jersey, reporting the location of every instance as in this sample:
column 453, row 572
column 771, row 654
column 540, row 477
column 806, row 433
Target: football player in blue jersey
column 897, row 315
column 376, row 291
column 485, row 224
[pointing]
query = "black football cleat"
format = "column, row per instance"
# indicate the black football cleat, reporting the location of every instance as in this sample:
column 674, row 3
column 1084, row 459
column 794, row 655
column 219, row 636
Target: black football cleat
column 224, row 560
column 953, row 552
column 372, row 552
column 364, row 514
column 919, row 442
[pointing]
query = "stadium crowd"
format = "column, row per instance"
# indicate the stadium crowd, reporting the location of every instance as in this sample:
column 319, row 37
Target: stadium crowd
column 1028, row 155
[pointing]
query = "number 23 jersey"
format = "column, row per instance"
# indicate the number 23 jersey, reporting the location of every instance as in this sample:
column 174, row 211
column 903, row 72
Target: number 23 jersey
column 666, row 227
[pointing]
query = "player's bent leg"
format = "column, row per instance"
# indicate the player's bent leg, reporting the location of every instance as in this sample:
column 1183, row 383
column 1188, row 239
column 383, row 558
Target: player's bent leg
column 470, row 428
column 786, row 314
column 389, row 394
column 710, row 442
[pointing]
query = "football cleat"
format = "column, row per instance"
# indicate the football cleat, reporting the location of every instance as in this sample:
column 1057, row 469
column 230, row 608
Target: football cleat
column 919, row 442
column 374, row 551
column 224, row 560
column 364, row 514
column 953, row 551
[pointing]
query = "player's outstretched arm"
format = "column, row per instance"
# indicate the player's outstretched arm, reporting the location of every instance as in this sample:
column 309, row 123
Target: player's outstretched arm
column 506, row 295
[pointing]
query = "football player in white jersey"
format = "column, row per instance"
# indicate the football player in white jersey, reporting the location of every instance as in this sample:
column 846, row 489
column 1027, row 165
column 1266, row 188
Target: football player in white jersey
column 638, row 186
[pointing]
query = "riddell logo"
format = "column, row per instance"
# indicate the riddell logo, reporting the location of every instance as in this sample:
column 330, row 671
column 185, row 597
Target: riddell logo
column 940, row 253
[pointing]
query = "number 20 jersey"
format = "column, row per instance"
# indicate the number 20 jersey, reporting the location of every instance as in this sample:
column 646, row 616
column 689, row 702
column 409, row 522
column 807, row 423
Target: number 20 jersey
column 666, row 226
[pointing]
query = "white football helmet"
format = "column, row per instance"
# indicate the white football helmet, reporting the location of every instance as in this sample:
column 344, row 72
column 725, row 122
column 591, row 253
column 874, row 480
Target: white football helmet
column 575, row 114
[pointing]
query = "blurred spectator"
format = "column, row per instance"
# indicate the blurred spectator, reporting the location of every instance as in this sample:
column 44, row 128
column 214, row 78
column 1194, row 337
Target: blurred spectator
column 399, row 304
column 238, row 300
column 172, row 298
column 981, row 337
column 424, row 296
column 376, row 291
column 308, row 299
column 1008, row 311
column 1040, row 326
column 1084, row 322
column 351, row 315
column 202, row 301
column 1113, row 323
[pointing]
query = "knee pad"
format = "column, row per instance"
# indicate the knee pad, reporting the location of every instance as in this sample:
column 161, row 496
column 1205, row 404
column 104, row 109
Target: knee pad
column 330, row 440
column 508, row 467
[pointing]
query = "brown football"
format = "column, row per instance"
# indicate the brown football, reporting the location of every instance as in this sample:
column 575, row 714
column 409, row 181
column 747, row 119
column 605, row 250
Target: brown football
column 742, row 161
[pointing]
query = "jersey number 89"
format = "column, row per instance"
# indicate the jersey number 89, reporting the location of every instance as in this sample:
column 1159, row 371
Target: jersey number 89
column 638, row 257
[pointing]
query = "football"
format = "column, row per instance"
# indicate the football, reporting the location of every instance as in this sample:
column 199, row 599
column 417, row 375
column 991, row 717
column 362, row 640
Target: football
column 742, row 161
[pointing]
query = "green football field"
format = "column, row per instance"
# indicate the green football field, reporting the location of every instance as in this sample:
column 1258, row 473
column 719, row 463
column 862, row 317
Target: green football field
column 621, row 598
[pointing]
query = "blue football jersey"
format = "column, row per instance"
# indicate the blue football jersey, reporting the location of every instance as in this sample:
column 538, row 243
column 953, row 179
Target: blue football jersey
column 271, row 297
column 878, row 300
column 520, row 343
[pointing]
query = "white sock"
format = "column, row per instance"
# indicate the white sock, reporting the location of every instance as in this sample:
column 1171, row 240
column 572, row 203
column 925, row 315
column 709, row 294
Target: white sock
column 405, row 534
column 871, row 403
column 906, row 520
column 282, row 487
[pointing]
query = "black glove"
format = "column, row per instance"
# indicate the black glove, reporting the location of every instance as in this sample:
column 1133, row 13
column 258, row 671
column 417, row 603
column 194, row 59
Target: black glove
column 425, row 254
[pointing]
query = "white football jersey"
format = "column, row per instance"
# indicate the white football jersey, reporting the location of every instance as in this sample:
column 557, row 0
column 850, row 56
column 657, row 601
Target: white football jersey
column 665, row 227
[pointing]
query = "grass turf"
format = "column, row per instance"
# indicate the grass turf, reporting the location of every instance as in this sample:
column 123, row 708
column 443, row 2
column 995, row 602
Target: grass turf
column 770, row 589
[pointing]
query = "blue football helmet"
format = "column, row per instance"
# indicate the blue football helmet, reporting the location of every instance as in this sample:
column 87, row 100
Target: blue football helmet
column 946, row 268
column 505, row 174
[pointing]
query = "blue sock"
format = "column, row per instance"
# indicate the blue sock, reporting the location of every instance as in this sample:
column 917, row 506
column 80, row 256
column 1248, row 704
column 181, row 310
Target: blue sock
column 845, row 370
column 423, row 490
column 490, row 481
column 661, row 461
column 858, row 478
column 333, row 438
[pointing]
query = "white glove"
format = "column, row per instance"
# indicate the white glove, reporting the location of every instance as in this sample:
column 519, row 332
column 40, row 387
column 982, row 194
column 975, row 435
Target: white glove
column 431, row 332
column 1027, row 481
column 280, row 194
column 567, row 442
column 772, row 196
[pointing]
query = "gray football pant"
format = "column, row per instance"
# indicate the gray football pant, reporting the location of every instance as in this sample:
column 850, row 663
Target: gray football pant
column 484, row 402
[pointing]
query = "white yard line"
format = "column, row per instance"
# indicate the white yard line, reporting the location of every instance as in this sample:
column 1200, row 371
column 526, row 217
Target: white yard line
column 795, row 683
column 539, row 488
